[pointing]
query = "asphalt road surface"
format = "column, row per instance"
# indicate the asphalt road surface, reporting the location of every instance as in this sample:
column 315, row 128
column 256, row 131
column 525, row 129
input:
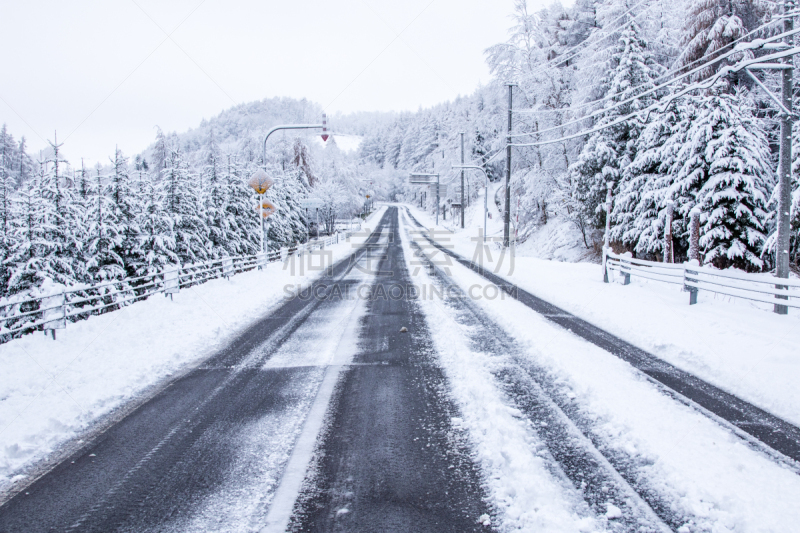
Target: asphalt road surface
column 210, row 451
column 390, row 460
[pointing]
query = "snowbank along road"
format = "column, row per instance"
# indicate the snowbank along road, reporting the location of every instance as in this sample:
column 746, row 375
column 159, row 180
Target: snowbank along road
column 776, row 433
column 363, row 403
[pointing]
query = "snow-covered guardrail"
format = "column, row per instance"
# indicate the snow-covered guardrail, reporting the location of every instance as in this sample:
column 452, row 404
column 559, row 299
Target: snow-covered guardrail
column 59, row 305
column 693, row 278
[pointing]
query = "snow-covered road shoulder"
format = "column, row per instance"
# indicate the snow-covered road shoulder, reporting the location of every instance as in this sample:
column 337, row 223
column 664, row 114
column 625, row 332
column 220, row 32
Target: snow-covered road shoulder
column 739, row 346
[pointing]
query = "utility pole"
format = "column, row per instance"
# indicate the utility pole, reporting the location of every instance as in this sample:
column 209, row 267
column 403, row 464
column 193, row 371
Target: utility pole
column 507, row 218
column 785, row 163
column 437, row 199
column 462, row 180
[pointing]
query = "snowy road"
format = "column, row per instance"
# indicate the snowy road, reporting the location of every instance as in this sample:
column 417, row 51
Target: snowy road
column 225, row 448
column 372, row 407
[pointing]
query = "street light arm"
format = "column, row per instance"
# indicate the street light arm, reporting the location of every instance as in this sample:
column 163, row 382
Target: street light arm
column 288, row 127
column 471, row 167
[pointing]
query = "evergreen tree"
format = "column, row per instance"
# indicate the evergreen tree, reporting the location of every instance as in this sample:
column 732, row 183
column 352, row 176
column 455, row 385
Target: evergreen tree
column 288, row 224
column 220, row 233
column 638, row 216
column 183, row 204
column 29, row 234
column 124, row 213
column 157, row 231
column 240, row 212
column 104, row 236
column 725, row 167
column 609, row 151
column 7, row 186
column 301, row 159
column 161, row 152
column 711, row 26
column 57, row 251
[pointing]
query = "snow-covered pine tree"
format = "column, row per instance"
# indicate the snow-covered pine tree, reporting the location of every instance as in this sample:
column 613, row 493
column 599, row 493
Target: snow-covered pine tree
column 638, row 216
column 216, row 200
column 27, row 219
column 183, row 204
column 103, row 235
column 480, row 151
column 240, row 213
column 58, row 251
column 711, row 26
column 725, row 165
column 28, row 233
column 158, row 237
column 301, row 159
column 7, row 186
column 427, row 141
column 83, row 186
column 24, row 165
column 161, row 152
column 609, row 151
column 288, row 224
column 124, row 213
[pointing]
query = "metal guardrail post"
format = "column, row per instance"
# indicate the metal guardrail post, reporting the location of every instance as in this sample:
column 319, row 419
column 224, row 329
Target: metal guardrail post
column 686, row 272
column 626, row 276
column 227, row 267
column 172, row 281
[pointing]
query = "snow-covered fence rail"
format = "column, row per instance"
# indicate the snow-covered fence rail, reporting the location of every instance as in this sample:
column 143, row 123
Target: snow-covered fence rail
column 755, row 287
column 59, row 305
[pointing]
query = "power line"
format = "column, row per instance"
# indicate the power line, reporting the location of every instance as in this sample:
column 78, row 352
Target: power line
column 661, row 106
column 669, row 72
column 662, row 86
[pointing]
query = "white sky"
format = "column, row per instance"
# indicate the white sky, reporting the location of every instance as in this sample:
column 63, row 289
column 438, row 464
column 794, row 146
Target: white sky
column 105, row 72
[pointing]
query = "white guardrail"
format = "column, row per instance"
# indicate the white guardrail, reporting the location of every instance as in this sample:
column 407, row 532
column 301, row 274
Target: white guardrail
column 693, row 278
column 20, row 315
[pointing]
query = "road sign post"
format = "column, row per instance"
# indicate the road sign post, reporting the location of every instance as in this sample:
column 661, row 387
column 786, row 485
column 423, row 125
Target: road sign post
column 261, row 182
column 485, row 196
column 311, row 203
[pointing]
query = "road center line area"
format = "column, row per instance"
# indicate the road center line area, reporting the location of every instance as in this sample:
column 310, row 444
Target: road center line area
column 383, row 398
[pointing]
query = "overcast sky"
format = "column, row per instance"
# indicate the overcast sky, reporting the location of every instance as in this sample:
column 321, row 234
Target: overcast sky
column 106, row 72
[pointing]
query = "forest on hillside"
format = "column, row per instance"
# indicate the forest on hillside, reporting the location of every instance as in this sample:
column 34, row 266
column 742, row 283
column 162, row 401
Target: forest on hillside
column 635, row 95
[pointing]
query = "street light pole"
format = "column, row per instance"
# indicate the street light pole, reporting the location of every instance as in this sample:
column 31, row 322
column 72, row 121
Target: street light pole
column 507, row 218
column 322, row 126
column 256, row 183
